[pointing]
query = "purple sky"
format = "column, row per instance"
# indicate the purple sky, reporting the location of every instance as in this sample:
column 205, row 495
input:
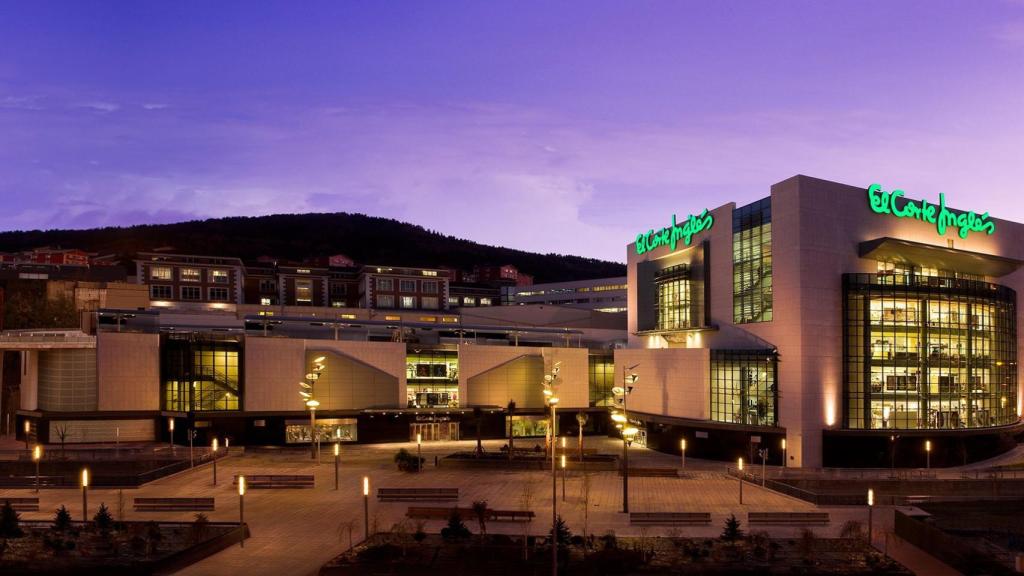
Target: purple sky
column 547, row 126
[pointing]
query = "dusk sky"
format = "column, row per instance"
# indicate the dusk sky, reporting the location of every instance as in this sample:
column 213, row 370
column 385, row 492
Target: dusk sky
column 547, row 126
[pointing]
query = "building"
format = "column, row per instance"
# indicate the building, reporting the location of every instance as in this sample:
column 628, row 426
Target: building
column 397, row 288
column 174, row 278
column 852, row 322
column 469, row 295
column 604, row 294
column 47, row 256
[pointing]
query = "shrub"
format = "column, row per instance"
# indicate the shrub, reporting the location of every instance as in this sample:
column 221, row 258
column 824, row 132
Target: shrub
column 10, row 522
column 103, row 520
column 153, row 537
column 419, row 535
column 62, row 519
column 732, row 531
column 407, row 462
column 455, row 530
column 609, row 541
column 852, row 529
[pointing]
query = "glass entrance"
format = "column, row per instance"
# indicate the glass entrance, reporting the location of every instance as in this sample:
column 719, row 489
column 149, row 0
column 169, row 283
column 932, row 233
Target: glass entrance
column 434, row 431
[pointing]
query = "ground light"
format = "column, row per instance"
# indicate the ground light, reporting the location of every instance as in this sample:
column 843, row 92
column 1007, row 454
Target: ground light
column 85, row 494
column 785, row 454
column 739, row 465
column 28, row 427
column 337, row 456
column 419, row 452
column 928, row 453
column 682, row 451
column 563, row 477
column 366, row 506
column 170, row 434
column 241, row 508
column 214, row 453
column 37, row 455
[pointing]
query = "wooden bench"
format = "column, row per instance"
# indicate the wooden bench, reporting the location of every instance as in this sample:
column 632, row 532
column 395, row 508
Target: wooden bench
column 652, row 472
column 669, row 518
column 22, row 504
column 258, row 481
column 417, row 494
column 173, row 504
column 787, row 518
column 442, row 513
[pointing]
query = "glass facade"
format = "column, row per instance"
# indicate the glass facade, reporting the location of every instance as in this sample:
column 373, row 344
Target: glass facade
column 329, row 430
column 744, row 387
column 432, row 378
column 602, row 378
column 200, row 373
column 680, row 299
column 752, row 262
column 926, row 350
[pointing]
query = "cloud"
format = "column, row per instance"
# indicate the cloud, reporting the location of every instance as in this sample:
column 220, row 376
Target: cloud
column 21, row 103
column 102, row 107
column 154, row 106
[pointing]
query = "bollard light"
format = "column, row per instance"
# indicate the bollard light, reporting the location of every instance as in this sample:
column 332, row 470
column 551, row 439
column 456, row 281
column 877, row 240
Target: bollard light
column 366, row 485
column 241, row 485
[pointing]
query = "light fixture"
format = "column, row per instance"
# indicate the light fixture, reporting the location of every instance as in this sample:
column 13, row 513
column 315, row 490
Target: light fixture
column 618, row 417
column 319, row 359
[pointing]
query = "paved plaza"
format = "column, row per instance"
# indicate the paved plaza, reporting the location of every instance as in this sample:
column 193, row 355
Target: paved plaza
column 295, row 531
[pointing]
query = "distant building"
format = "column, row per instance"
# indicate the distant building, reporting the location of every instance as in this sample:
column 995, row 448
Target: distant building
column 392, row 288
column 601, row 294
column 188, row 278
column 473, row 294
column 47, row 256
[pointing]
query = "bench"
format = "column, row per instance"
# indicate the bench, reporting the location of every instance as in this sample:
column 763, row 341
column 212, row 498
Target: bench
column 652, row 472
column 417, row 494
column 173, row 504
column 22, row 504
column 669, row 518
column 442, row 513
column 30, row 481
column 258, row 481
column 787, row 518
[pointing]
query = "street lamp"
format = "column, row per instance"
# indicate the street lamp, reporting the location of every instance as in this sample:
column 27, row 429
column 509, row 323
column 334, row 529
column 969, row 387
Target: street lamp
column 581, row 419
column 37, row 455
column 28, row 427
column 785, row 454
column 740, row 475
column 306, row 389
column 170, row 434
column 241, row 508
column 337, row 456
column 366, row 506
column 928, row 454
column 214, row 452
column 621, row 420
column 550, row 384
column 682, row 451
column 871, row 506
column 419, row 452
column 563, row 477
column 85, row 494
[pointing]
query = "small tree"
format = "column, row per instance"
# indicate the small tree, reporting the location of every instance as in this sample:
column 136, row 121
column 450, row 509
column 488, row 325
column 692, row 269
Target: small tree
column 62, row 433
column 480, row 511
column 561, row 531
column 407, row 462
column 455, row 530
column 732, row 531
column 10, row 522
column 103, row 520
column 62, row 519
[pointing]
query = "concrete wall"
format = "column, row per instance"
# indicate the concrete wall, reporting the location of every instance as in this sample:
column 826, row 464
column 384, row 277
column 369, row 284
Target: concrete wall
column 88, row 431
column 29, row 388
column 128, row 371
column 573, row 388
column 673, row 381
column 67, row 380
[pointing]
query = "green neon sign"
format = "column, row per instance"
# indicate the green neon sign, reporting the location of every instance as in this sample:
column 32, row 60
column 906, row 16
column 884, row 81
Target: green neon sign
column 670, row 235
column 883, row 202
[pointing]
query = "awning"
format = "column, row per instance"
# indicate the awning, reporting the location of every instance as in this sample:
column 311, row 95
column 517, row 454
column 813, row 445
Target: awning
column 928, row 256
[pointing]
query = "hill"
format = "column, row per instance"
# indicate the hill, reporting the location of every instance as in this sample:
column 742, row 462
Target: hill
column 366, row 239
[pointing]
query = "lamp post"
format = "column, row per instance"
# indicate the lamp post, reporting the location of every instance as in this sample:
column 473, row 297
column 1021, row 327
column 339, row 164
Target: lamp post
column 366, row 506
column 170, row 434
column 550, row 384
column 892, row 453
column 306, row 389
column 682, row 452
column 740, row 475
column 241, row 508
column 928, row 454
column 28, row 427
column 621, row 420
column 581, row 419
column 871, row 506
column 337, row 456
column 85, row 494
column 563, row 477
column 37, row 455
column 785, row 454
column 419, row 452
column 191, row 440
column 214, row 453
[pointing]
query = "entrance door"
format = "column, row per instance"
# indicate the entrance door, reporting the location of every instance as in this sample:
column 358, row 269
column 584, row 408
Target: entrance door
column 434, row 431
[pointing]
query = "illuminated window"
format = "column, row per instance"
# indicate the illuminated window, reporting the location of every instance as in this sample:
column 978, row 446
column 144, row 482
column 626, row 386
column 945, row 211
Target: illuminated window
column 219, row 294
column 219, row 276
column 190, row 275
column 450, row 319
column 407, row 286
column 348, row 316
column 200, row 375
column 408, row 301
column 385, row 284
column 744, row 387
column 430, row 302
column 469, row 301
column 485, row 301
column 429, row 272
column 160, row 273
column 191, row 293
column 304, row 291
column 752, row 262
column 453, row 300
column 428, row 318
column 385, row 301
column 392, row 318
column 160, row 292
column 265, row 301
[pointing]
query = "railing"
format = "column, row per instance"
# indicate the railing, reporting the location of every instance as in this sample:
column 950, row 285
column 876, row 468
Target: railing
column 799, row 493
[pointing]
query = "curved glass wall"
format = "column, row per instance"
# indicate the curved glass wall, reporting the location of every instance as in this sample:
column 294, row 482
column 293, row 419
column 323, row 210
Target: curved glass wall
column 928, row 352
column 744, row 387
